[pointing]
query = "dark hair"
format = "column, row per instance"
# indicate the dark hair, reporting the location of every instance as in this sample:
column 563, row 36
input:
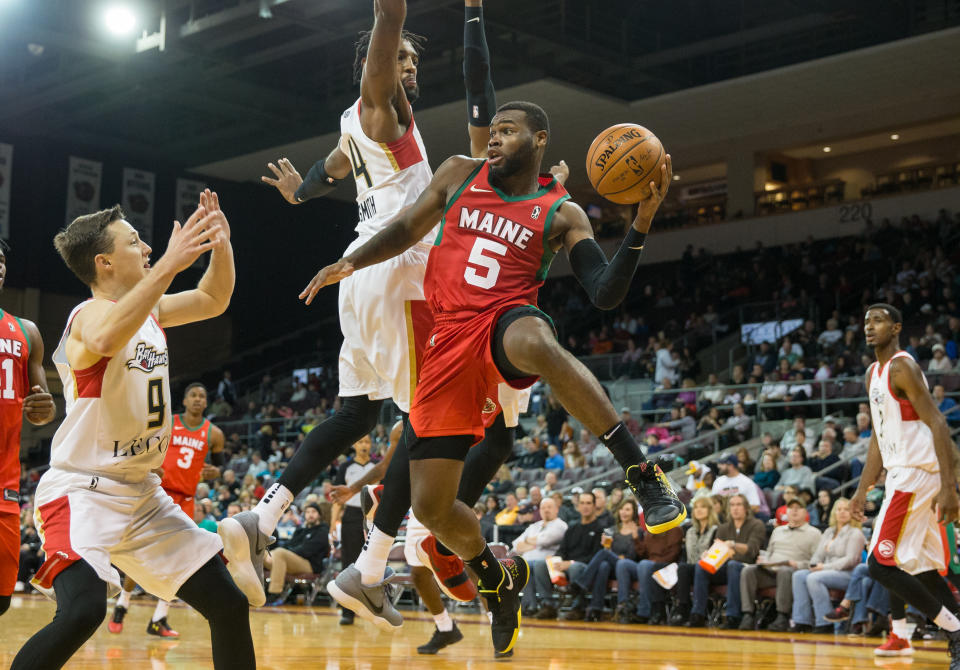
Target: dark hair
column 587, row 493
column 193, row 386
column 363, row 46
column 890, row 309
column 536, row 118
column 80, row 242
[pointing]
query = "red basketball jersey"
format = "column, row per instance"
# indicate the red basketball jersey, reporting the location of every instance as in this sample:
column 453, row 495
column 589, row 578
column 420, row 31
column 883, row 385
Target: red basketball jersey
column 14, row 386
column 492, row 249
column 185, row 457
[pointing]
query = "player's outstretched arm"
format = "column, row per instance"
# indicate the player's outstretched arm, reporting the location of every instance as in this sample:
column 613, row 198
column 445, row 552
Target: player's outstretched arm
column 384, row 102
column 212, row 295
column 905, row 376
column 38, row 407
column 481, row 96
column 405, row 230
column 102, row 328
column 321, row 179
column 606, row 282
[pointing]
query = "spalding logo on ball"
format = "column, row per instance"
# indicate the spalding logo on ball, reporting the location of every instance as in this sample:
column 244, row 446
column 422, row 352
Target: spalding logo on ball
column 623, row 160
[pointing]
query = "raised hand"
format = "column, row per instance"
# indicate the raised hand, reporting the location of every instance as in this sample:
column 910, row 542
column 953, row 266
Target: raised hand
column 647, row 207
column 211, row 202
column 328, row 275
column 287, row 180
column 198, row 235
column 561, row 171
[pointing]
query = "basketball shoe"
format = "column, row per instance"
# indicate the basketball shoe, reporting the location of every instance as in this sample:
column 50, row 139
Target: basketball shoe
column 161, row 629
column 245, row 547
column 503, row 603
column 448, row 570
column 440, row 640
column 953, row 647
column 662, row 509
column 369, row 602
column 115, row 624
column 894, row 646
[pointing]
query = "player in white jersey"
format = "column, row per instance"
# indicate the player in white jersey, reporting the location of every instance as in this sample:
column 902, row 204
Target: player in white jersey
column 911, row 440
column 383, row 316
column 100, row 504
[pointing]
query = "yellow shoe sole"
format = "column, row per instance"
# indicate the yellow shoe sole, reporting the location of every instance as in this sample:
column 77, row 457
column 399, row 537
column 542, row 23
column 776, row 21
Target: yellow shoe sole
column 673, row 523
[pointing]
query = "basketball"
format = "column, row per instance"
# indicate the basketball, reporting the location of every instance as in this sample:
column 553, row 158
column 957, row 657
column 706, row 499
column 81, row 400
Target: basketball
column 623, row 160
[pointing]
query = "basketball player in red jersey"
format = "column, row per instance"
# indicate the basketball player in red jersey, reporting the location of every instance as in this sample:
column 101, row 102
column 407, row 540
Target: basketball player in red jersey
column 912, row 441
column 23, row 391
column 500, row 228
column 191, row 438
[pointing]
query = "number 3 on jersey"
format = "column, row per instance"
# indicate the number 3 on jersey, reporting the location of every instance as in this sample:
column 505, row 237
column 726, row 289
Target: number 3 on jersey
column 492, row 265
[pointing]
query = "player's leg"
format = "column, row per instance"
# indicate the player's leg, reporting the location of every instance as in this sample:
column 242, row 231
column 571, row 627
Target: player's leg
column 115, row 625
column 211, row 591
column 524, row 345
column 81, row 606
column 351, row 544
column 436, row 464
column 9, row 556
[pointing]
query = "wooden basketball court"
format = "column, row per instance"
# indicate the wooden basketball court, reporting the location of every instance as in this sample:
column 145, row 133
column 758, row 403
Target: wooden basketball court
column 301, row 638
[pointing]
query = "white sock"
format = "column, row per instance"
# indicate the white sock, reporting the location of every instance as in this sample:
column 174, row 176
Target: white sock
column 124, row 599
column 161, row 611
column 274, row 503
column 899, row 628
column 947, row 620
column 443, row 621
column 372, row 561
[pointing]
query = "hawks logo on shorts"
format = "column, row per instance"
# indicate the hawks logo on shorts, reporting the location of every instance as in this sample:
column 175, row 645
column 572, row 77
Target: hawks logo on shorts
column 886, row 548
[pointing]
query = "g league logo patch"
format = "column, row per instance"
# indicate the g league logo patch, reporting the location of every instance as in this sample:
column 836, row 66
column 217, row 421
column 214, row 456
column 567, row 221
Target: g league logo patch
column 886, row 548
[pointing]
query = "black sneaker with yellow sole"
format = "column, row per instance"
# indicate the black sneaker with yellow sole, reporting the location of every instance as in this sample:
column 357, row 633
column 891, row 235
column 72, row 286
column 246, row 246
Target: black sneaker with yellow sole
column 503, row 603
column 662, row 509
column 161, row 629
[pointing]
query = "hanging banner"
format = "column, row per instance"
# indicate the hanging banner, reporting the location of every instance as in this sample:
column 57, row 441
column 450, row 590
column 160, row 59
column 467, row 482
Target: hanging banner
column 188, row 197
column 6, row 169
column 137, row 199
column 83, row 187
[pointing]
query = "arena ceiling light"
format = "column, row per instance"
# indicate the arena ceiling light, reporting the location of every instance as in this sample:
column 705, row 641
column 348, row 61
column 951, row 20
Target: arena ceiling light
column 895, row 137
column 120, row 20
column 827, row 150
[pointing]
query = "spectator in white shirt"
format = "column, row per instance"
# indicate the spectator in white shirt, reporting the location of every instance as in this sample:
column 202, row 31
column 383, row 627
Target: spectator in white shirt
column 542, row 538
column 731, row 481
column 831, row 335
column 939, row 362
column 740, row 422
column 793, row 436
column 667, row 363
column 714, row 391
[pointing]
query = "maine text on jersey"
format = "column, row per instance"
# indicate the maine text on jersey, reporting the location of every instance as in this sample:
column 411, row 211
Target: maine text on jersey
column 498, row 226
column 12, row 347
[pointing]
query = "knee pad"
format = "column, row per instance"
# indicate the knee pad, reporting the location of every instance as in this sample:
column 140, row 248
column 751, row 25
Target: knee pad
column 360, row 409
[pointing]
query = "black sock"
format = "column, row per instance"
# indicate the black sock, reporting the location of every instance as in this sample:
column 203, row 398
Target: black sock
column 622, row 445
column 488, row 569
column 441, row 548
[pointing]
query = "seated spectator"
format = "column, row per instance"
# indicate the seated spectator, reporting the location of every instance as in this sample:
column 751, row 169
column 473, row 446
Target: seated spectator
column 633, row 426
column 220, row 409
column 731, row 481
column 790, row 548
column 746, row 463
column 798, row 474
column 789, row 493
column 870, row 602
column 623, row 540
column 713, row 392
column 533, row 456
column 305, row 552
column 542, row 538
column 829, row 337
column 720, row 507
column 656, row 552
column 863, row 423
column 554, row 458
column 697, row 541
column 587, row 442
column 793, row 436
column 680, row 423
column 572, row 457
column 947, row 406
column 511, row 507
column 605, row 517
column 491, row 505
column 854, row 450
column 823, row 371
column 579, row 544
column 831, row 567
column 740, row 423
column 821, row 509
column 745, row 535
column 709, row 421
column 502, row 483
column 550, row 483
column 767, row 475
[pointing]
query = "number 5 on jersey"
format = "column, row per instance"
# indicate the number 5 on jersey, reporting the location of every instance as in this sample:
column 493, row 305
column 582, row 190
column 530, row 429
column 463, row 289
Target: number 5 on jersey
column 492, row 265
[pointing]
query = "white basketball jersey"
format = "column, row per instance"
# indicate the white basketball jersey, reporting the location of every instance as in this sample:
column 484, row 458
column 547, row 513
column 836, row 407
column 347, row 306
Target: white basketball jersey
column 118, row 420
column 905, row 441
column 389, row 175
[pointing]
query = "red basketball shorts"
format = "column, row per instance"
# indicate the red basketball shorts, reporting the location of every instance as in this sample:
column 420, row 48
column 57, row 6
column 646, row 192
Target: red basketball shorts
column 9, row 551
column 457, row 392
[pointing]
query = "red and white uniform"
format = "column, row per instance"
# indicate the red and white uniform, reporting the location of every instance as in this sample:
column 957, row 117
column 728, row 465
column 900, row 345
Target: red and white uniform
column 99, row 501
column 14, row 386
column 492, row 254
column 906, row 533
column 184, row 461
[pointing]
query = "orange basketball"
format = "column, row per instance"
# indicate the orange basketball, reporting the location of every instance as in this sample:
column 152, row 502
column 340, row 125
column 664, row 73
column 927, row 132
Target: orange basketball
column 623, row 160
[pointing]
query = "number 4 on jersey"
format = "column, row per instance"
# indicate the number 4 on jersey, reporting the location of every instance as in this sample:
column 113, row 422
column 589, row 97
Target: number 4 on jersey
column 492, row 265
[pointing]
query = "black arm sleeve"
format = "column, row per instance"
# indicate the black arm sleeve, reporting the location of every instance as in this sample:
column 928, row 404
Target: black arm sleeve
column 481, row 98
column 317, row 183
column 218, row 459
column 606, row 282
